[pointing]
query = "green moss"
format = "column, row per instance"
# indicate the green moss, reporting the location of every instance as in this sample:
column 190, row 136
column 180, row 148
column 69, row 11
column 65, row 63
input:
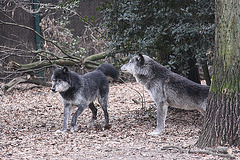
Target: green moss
column 229, row 85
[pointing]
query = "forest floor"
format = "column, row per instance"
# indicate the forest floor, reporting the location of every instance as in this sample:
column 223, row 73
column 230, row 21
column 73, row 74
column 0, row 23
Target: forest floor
column 30, row 116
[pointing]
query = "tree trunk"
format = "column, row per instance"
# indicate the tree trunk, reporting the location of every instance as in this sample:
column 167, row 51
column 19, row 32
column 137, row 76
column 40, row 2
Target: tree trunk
column 222, row 119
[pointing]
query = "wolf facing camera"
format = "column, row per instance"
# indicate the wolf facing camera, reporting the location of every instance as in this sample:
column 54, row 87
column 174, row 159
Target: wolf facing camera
column 82, row 90
column 166, row 88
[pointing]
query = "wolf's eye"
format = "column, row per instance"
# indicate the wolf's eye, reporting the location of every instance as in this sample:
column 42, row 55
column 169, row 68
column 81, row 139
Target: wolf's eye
column 59, row 80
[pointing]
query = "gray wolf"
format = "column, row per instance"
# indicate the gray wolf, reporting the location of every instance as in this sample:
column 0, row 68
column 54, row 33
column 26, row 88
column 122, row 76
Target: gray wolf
column 82, row 90
column 166, row 88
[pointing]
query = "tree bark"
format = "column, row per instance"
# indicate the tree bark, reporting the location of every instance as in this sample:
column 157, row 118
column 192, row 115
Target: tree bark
column 222, row 119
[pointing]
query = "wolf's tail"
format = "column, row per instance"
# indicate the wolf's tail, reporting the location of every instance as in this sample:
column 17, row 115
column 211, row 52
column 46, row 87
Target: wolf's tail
column 108, row 70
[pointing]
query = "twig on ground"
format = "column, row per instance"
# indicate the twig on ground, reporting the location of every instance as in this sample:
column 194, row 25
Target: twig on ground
column 143, row 99
column 173, row 147
column 212, row 153
column 222, row 152
column 136, row 101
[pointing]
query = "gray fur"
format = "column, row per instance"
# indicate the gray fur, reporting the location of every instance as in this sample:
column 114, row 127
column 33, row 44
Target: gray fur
column 81, row 91
column 167, row 88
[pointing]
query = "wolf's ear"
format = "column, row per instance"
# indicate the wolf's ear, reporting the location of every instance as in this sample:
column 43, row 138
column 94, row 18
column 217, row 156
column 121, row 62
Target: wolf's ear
column 54, row 67
column 65, row 70
column 140, row 59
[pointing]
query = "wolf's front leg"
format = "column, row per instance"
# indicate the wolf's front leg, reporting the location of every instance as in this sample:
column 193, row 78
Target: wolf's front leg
column 161, row 117
column 67, row 113
column 75, row 116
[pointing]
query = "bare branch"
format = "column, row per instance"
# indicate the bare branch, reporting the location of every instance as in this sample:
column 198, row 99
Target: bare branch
column 26, row 27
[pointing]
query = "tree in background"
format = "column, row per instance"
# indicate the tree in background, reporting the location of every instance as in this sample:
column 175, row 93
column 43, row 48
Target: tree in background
column 222, row 119
column 176, row 33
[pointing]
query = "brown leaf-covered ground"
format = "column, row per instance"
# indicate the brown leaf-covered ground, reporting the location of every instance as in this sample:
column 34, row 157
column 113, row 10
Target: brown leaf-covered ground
column 30, row 116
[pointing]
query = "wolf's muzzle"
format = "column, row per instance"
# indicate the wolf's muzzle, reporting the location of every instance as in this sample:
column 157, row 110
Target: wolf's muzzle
column 53, row 89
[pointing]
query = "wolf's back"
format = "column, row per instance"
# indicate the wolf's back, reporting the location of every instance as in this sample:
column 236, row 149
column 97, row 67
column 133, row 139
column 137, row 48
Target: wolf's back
column 108, row 70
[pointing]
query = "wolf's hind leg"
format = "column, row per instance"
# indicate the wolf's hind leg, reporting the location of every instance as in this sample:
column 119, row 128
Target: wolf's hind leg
column 94, row 114
column 103, row 102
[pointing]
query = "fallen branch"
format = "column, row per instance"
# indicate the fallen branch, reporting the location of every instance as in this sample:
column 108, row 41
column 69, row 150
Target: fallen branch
column 35, row 67
column 90, row 63
column 221, row 151
column 212, row 153
column 224, row 150
column 39, row 64
column 14, row 82
column 142, row 96
column 173, row 147
column 24, row 79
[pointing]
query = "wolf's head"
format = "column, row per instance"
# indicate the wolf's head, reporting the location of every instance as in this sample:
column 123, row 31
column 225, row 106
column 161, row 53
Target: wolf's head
column 135, row 62
column 61, row 80
column 137, row 65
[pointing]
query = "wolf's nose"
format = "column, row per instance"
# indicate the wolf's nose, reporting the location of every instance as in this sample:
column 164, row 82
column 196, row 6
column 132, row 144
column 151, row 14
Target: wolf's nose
column 53, row 89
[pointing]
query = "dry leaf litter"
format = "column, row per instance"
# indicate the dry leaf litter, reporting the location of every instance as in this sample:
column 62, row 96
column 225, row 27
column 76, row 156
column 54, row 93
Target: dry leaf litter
column 29, row 117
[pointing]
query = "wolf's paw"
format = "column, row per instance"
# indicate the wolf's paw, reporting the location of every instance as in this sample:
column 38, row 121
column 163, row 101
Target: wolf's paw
column 155, row 133
column 90, row 124
column 60, row 131
column 73, row 129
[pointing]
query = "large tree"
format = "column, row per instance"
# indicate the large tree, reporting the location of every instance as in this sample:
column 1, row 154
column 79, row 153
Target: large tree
column 222, row 119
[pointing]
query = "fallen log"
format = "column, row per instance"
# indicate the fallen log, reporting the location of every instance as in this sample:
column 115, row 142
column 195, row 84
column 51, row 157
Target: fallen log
column 29, row 70
column 24, row 79
column 39, row 64
column 89, row 63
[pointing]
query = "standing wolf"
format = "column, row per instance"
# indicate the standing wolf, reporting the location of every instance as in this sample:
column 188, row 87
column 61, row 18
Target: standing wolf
column 82, row 91
column 166, row 88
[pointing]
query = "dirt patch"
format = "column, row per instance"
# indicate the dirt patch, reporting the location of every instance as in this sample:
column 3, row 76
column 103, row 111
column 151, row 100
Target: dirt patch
column 30, row 117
